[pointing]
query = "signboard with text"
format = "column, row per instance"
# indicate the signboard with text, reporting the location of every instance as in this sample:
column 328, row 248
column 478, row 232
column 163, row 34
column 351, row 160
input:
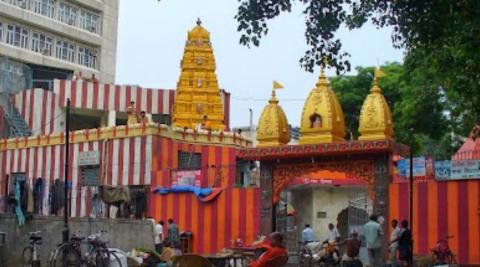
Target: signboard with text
column 443, row 170
column 188, row 177
column 465, row 169
column 419, row 167
column 88, row 158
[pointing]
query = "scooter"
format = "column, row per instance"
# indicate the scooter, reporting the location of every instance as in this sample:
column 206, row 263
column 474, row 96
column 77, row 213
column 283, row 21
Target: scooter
column 442, row 254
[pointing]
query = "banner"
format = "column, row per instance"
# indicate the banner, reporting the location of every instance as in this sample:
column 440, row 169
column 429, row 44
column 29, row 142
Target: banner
column 443, row 170
column 419, row 169
column 465, row 169
column 192, row 178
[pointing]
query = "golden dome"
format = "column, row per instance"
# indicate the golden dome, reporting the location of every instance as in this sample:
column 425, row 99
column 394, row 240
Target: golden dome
column 273, row 127
column 198, row 33
column 322, row 117
column 375, row 116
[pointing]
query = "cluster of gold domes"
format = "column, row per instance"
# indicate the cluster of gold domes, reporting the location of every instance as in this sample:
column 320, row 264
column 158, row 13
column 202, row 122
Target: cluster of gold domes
column 198, row 94
column 322, row 118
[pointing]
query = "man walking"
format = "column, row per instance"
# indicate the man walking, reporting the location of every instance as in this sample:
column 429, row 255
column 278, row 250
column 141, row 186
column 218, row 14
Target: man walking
column 173, row 233
column 373, row 231
column 393, row 249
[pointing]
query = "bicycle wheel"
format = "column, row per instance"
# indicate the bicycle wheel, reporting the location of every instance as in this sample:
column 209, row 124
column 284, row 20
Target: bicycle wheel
column 66, row 256
column 103, row 258
column 27, row 256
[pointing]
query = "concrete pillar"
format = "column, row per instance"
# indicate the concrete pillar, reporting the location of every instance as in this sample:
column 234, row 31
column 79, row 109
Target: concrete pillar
column 266, row 198
column 112, row 117
column 380, row 204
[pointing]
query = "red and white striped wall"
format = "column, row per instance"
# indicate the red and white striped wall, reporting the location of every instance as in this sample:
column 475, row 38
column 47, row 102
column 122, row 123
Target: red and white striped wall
column 90, row 95
column 125, row 161
column 40, row 109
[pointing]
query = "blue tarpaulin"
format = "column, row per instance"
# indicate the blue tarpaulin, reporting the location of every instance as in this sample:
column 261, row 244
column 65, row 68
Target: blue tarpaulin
column 198, row 191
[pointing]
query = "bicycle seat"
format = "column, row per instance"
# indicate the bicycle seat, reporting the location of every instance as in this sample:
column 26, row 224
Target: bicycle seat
column 77, row 238
column 35, row 238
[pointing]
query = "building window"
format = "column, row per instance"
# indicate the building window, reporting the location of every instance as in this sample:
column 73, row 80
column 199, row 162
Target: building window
column 189, row 160
column 87, row 57
column 1, row 31
column 89, row 22
column 65, row 50
column 247, row 174
column 44, row 7
column 67, row 14
column 42, row 43
column 17, row 36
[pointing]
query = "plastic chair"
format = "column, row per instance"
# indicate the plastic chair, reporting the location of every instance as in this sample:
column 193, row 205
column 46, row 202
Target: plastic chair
column 191, row 261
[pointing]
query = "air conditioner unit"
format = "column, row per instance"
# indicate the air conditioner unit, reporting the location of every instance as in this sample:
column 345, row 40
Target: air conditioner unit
column 45, row 51
column 91, row 29
column 71, row 21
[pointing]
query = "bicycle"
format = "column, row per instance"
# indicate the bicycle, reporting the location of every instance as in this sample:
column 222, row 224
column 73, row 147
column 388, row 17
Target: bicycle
column 70, row 254
column 30, row 255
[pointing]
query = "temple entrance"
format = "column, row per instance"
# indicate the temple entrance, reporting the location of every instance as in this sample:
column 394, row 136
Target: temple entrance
column 345, row 206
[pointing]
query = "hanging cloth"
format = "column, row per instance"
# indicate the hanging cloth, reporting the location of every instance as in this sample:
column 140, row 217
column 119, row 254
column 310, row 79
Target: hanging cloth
column 30, row 202
column 18, row 208
column 111, row 195
column 38, row 192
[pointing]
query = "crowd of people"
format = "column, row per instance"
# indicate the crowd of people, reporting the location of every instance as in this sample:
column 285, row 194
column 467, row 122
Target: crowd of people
column 399, row 244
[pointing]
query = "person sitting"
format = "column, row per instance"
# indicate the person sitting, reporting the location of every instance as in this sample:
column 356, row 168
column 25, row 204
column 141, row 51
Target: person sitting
column 274, row 250
column 143, row 117
column 350, row 259
column 169, row 251
column 308, row 235
column 205, row 123
column 132, row 117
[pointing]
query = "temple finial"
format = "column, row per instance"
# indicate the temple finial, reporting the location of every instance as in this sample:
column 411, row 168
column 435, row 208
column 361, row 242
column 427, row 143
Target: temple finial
column 199, row 21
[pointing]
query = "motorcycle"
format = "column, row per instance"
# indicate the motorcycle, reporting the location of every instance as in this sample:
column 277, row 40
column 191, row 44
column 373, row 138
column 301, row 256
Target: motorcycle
column 442, row 254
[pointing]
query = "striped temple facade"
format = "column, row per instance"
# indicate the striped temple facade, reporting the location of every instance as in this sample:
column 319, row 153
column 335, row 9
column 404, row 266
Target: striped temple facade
column 146, row 154
column 43, row 110
column 441, row 209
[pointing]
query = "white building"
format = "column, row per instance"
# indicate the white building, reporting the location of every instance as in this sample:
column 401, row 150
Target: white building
column 41, row 40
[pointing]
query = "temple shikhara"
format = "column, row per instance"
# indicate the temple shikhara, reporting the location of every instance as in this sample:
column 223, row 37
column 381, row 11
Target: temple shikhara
column 180, row 160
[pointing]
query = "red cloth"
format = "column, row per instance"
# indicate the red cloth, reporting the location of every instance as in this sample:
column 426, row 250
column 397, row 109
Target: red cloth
column 271, row 253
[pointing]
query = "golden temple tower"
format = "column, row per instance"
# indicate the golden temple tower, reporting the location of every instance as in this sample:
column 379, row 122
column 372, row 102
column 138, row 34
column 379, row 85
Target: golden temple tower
column 322, row 118
column 375, row 116
column 273, row 127
column 198, row 93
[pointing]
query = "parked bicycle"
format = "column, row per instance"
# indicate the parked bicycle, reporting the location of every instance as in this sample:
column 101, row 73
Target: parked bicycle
column 70, row 254
column 30, row 254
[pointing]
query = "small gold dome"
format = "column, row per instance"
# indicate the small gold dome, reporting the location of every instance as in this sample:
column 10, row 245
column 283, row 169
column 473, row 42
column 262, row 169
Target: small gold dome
column 375, row 116
column 273, row 127
column 198, row 33
column 322, row 117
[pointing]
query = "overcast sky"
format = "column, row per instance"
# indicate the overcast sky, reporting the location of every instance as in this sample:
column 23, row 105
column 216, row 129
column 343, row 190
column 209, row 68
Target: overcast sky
column 151, row 39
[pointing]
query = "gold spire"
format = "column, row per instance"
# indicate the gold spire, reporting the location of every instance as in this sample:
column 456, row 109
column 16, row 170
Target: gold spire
column 198, row 92
column 322, row 118
column 375, row 116
column 273, row 129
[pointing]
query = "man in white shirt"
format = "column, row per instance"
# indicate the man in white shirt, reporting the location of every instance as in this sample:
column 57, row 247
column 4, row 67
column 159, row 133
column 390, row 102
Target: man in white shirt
column 308, row 235
column 333, row 235
column 159, row 236
column 394, row 235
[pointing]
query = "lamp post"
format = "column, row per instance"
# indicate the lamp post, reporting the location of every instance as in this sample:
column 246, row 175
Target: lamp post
column 65, row 196
column 410, row 183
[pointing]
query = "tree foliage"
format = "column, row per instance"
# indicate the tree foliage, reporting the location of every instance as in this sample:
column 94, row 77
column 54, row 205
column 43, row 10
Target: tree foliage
column 441, row 39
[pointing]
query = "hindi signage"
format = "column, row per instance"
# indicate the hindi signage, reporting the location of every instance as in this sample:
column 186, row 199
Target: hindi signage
column 191, row 177
column 465, row 169
column 443, row 170
column 419, row 169
column 88, row 158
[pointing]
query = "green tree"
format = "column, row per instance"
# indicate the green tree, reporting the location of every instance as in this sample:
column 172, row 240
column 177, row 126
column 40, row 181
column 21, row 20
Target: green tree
column 441, row 39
